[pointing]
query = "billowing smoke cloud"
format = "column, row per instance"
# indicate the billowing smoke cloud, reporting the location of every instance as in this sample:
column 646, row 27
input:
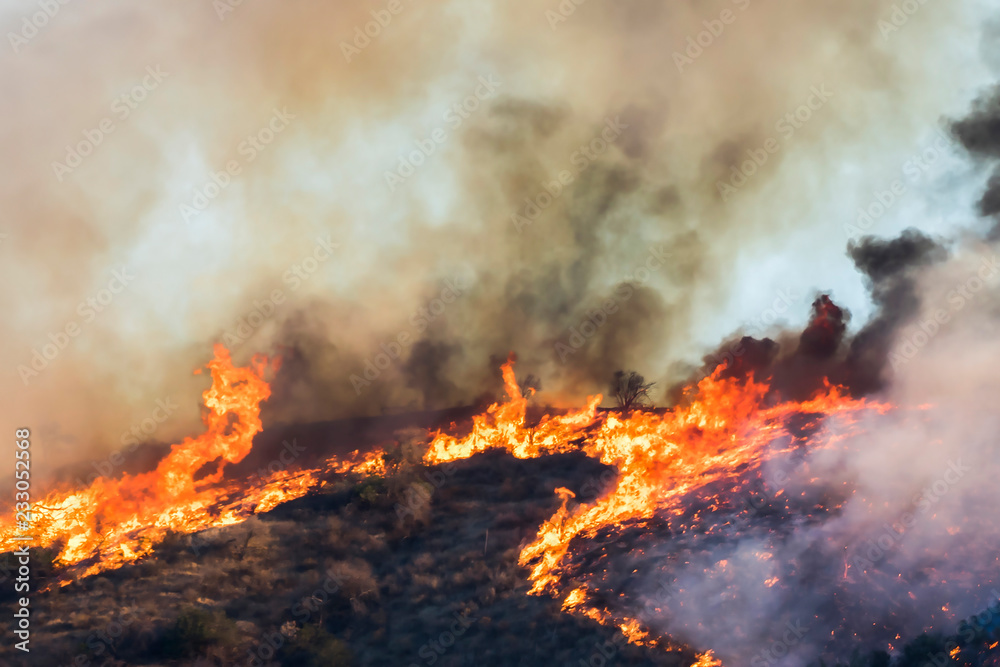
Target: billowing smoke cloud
column 796, row 367
column 873, row 539
column 592, row 190
column 980, row 135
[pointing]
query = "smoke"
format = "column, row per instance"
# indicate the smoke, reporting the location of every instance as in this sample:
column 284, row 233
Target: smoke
column 907, row 541
column 979, row 133
column 797, row 367
column 592, row 190
column 883, row 535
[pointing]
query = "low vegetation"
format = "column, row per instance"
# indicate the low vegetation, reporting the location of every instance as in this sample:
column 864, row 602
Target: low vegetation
column 417, row 567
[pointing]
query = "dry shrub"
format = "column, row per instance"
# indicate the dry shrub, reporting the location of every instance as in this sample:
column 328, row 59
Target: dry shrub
column 355, row 577
column 431, row 581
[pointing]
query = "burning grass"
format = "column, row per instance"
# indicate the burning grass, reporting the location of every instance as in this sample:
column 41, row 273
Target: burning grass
column 396, row 580
column 497, row 529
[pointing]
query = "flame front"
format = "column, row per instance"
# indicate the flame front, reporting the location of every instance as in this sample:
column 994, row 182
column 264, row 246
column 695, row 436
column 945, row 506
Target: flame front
column 502, row 426
column 116, row 521
column 723, row 428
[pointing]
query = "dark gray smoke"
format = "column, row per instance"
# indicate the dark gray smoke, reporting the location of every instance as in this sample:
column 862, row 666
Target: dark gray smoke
column 979, row 133
column 796, row 366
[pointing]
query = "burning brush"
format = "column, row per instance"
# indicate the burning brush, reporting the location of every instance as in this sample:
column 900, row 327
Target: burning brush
column 725, row 429
column 688, row 526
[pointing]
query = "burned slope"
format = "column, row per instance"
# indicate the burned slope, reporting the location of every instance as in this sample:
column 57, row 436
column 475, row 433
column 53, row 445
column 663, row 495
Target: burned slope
column 419, row 567
column 367, row 571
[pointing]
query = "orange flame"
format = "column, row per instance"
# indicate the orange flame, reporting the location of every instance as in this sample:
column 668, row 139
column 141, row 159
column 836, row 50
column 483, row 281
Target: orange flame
column 661, row 458
column 724, row 426
column 503, row 427
column 116, row 521
column 706, row 660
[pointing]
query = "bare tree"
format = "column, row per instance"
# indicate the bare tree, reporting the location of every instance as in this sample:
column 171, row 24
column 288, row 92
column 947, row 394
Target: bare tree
column 630, row 390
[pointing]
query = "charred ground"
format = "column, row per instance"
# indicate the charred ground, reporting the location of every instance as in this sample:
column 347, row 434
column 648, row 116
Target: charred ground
column 373, row 570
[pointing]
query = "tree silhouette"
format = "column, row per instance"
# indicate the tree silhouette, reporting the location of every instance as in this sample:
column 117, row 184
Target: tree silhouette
column 630, row 390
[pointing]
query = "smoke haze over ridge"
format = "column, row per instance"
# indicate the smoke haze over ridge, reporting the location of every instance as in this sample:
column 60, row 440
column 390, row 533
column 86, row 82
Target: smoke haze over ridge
column 652, row 192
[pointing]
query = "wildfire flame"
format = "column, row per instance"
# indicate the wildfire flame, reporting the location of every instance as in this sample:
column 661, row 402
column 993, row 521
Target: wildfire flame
column 722, row 426
column 117, row 521
column 503, row 426
column 661, row 458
